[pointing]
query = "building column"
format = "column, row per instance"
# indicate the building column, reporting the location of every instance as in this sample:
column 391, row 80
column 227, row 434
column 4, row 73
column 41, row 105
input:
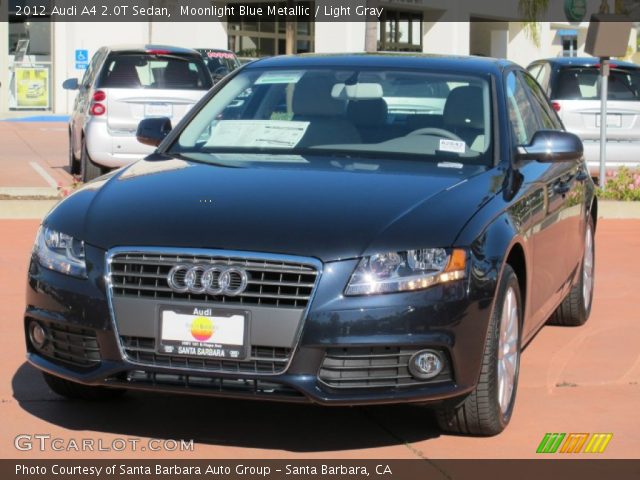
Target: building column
column 339, row 37
column 4, row 64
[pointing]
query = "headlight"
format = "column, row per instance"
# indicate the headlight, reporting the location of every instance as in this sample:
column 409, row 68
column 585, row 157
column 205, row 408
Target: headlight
column 406, row 271
column 60, row 252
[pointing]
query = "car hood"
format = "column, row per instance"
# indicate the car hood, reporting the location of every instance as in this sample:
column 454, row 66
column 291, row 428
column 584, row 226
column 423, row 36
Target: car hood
column 325, row 208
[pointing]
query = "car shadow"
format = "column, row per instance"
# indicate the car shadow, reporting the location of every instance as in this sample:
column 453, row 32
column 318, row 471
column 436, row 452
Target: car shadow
column 228, row 422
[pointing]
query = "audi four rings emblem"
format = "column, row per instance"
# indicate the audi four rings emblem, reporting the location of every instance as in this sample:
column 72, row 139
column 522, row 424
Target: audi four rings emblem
column 205, row 279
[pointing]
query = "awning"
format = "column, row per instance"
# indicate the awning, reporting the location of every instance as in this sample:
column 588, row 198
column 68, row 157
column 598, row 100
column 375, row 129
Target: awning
column 568, row 33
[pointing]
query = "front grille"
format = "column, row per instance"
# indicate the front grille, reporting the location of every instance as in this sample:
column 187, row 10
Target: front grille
column 210, row 385
column 270, row 360
column 270, row 283
column 73, row 346
column 373, row 367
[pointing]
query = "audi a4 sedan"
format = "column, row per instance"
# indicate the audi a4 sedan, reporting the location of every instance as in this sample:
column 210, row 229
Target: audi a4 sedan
column 298, row 237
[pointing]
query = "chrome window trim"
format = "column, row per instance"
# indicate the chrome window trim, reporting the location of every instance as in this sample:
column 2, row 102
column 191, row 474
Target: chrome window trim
column 313, row 262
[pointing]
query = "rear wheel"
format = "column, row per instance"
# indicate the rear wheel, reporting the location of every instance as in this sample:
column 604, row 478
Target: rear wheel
column 73, row 390
column 576, row 307
column 487, row 410
column 74, row 163
column 88, row 169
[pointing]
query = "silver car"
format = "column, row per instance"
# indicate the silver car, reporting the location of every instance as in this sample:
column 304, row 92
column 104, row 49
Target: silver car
column 573, row 86
column 121, row 87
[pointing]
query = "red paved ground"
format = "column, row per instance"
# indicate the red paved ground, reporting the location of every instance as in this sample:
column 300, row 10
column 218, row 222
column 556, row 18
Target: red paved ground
column 26, row 142
column 572, row 380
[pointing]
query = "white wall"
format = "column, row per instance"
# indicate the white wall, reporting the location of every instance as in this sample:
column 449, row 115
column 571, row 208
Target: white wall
column 69, row 37
column 339, row 37
column 190, row 34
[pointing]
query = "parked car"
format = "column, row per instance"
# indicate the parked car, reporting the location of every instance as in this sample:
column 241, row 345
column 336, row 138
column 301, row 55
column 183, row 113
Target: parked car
column 122, row 86
column 573, row 86
column 220, row 62
column 304, row 244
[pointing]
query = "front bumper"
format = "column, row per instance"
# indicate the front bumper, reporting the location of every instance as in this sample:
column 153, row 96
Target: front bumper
column 361, row 332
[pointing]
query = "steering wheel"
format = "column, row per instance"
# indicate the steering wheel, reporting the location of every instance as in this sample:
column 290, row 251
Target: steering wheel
column 441, row 132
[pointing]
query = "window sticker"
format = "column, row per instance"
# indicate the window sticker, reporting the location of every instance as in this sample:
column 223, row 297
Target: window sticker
column 454, row 146
column 257, row 133
column 289, row 76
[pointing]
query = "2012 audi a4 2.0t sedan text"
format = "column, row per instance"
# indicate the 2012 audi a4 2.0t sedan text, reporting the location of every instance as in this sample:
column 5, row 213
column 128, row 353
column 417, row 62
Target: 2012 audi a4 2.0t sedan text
column 336, row 229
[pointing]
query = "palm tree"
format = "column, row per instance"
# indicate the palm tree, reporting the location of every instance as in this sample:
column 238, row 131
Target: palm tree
column 371, row 30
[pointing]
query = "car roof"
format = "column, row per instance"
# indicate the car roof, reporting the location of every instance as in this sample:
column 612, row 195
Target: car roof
column 458, row 64
column 583, row 62
column 140, row 48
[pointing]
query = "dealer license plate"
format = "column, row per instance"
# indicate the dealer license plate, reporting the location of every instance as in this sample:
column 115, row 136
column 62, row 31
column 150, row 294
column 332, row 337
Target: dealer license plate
column 203, row 332
column 158, row 110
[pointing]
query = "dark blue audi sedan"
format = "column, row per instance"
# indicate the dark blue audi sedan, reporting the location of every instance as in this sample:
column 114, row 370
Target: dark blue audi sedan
column 334, row 229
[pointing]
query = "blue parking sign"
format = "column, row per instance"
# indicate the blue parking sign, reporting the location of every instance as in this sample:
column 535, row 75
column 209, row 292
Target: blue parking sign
column 82, row 56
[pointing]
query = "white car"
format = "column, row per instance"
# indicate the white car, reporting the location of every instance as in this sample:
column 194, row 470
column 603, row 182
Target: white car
column 573, row 86
column 121, row 87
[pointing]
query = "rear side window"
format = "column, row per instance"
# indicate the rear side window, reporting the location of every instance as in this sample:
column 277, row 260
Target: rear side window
column 583, row 83
column 163, row 72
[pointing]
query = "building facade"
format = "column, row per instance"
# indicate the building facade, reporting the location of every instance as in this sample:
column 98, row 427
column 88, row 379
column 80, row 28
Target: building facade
column 36, row 57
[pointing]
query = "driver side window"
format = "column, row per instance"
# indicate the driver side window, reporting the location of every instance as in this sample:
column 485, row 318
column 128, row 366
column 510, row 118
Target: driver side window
column 521, row 114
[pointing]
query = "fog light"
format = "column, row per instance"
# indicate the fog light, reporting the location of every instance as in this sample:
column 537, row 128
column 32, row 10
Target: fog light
column 425, row 364
column 37, row 335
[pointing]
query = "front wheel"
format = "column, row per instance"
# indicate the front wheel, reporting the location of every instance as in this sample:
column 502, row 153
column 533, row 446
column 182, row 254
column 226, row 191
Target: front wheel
column 74, row 163
column 487, row 410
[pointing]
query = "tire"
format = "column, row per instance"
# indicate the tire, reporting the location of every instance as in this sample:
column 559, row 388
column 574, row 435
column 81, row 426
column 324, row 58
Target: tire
column 73, row 390
column 576, row 307
column 74, row 163
column 482, row 412
column 88, row 169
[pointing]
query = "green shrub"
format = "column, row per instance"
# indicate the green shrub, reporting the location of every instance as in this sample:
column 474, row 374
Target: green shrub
column 623, row 184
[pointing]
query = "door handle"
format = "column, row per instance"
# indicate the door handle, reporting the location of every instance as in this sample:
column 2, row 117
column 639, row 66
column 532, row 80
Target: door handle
column 582, row 176
column 562, row 187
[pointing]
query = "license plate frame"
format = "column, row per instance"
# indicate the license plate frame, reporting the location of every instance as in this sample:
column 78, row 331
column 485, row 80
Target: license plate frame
column 614, row 120
column 179, row 334
column 158, row 110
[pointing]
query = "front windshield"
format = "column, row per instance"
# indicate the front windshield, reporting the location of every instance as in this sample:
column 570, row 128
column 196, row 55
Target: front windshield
column 357, row 112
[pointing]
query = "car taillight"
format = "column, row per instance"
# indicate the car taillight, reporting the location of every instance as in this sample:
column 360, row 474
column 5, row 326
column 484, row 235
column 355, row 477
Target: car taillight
column 98, row 109
column 556, row 106
column 158, row 52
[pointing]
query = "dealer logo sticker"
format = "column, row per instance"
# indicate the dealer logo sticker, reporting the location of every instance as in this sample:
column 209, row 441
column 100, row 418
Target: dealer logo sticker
column 202, row 328
column 574, row 442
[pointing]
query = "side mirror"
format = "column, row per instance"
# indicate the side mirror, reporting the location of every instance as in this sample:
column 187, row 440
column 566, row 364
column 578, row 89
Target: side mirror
column 152, row 131
column 70, row 84
column 552, row 146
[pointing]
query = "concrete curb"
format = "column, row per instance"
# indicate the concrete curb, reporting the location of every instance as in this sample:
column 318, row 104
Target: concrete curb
column 615, row 209
column 36, row 207
column 29, row 193
column 25, row 209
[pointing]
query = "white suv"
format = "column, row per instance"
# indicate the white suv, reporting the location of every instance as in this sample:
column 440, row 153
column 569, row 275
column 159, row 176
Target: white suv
column 121, row 87
column 573, row 85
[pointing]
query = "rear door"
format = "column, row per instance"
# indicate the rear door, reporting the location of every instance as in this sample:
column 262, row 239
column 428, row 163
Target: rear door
column 152, row 84
column 577, row 92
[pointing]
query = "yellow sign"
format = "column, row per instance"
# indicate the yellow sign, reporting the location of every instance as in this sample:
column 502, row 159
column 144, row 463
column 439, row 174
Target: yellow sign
column 32, row 87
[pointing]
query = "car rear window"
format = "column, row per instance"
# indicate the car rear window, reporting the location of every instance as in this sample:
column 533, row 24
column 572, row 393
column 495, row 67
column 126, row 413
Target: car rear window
column 583, row 83
column 162, row 72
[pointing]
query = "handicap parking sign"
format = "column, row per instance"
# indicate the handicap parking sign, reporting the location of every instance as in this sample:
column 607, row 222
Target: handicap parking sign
column 82, row 56
column 82, row 59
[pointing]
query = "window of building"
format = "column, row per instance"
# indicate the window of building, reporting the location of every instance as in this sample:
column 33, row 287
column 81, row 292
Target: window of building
column 569, row 46
column 254, row 37
column 400, row 31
